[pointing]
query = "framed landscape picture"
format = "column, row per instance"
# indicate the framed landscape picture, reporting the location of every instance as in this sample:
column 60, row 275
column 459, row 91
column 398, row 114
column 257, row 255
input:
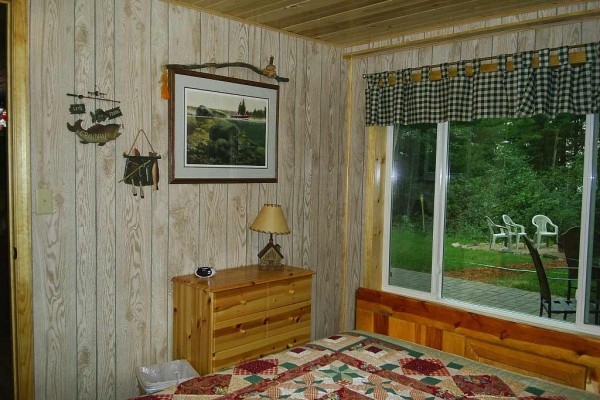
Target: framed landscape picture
column 221, row 129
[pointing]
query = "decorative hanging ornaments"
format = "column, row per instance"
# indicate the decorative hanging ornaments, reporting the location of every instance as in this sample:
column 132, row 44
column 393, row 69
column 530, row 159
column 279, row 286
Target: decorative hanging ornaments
column 98, row 133
column 141, row 170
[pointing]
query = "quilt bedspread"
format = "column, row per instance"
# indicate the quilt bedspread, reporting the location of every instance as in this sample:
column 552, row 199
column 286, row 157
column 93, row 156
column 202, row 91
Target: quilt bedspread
column 359, row 365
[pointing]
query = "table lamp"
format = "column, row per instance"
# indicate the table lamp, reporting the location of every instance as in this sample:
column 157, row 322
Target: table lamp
column 270, row 220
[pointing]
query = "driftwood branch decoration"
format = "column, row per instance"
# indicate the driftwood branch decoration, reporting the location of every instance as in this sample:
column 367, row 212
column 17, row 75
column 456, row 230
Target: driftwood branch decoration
column 270, row 71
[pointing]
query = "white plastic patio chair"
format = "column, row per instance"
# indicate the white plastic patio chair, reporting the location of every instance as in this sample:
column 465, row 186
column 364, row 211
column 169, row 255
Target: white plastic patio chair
column 496, row 231
column 514, row 230
column 544, row 227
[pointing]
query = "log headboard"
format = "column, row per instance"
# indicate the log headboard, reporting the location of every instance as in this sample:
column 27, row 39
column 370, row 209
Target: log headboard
column 566, row 358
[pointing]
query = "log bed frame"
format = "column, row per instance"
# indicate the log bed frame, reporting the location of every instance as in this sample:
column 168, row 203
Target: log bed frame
column 565, row 358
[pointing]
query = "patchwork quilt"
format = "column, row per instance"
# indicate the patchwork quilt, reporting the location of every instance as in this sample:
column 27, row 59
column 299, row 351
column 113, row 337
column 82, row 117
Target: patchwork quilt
column 358, row 365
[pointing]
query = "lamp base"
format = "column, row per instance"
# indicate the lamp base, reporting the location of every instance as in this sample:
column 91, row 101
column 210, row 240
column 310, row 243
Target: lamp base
column 268, row 266
column 270, row 257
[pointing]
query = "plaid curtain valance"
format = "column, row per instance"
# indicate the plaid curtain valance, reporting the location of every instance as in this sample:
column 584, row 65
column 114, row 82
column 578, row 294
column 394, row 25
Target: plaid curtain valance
column 519, row 87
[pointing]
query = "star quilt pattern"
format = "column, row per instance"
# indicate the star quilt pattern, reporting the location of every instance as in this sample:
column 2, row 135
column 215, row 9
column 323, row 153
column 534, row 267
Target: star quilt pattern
column 359, row 366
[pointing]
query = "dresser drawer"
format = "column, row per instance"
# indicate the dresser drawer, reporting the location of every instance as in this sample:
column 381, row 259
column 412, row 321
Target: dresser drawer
column 290, row 291
column 260, row 348
column 240, row 302
column 289, row 318
column 240, row 331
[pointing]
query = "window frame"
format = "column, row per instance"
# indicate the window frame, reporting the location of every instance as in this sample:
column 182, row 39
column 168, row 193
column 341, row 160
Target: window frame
column 589, row 180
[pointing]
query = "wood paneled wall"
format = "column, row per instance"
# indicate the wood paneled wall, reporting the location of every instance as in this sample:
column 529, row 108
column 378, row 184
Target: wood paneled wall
column 103, row 259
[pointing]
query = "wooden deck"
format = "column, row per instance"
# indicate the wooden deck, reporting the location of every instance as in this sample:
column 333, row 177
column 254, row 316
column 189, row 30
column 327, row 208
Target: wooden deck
column 484, row 294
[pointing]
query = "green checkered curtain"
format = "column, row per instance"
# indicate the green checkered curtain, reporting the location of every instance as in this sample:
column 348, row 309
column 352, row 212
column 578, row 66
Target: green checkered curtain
column 393, row 97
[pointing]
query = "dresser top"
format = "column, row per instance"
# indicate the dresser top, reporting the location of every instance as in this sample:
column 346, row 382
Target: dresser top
column 231, row 278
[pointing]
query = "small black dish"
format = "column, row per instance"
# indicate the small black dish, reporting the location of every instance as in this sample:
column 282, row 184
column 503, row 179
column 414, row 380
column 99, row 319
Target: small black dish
column 205, row 272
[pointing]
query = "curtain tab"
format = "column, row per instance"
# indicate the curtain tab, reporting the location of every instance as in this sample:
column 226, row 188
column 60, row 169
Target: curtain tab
column 544, row 58
column 563, row 55
column 392, row 79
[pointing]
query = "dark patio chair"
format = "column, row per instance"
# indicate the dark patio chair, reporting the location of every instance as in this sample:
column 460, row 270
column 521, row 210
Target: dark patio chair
column 551, row 305
column 570, row 243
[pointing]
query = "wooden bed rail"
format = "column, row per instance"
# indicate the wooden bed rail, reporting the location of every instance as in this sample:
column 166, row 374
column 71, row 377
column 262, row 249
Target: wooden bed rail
column 561, row 357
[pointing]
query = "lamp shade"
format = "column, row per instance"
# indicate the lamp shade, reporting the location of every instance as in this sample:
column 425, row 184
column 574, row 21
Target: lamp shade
column 270, row 219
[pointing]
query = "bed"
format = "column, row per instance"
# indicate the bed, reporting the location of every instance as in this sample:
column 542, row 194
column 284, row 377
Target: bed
column 366, row 364
column 363, row 365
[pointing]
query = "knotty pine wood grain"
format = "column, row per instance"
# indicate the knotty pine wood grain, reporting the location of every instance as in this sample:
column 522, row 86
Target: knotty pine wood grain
column 431, row 322
column 20, row 196
column 240, row 313
column 560, row 345
column 526, row 363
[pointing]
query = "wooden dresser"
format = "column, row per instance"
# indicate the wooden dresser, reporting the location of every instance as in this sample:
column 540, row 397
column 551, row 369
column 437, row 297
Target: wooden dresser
column 240, row 314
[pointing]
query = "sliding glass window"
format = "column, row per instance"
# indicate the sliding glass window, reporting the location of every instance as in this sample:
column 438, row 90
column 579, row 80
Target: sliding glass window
column 465, row 197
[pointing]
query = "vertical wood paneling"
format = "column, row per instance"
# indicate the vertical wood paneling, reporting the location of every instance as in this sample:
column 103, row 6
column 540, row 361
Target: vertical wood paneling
column 54, row 242
column 213, row 198
column 104, row 258
column 134, row 228
column 237, row 194
column 184, row 204
column 85, row 197
column 286, row 66
column 161, row 321
column 355, row 152
column 327, row 295
column 106, row 173
column 342, row 186
column 183, row 200
column 269, row 47
column 297, row 211
column 256, row 241
column 310, row 161
column 312, row 169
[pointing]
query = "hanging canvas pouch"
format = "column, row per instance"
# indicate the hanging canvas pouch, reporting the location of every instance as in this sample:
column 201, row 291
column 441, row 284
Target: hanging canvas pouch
column 141, row 170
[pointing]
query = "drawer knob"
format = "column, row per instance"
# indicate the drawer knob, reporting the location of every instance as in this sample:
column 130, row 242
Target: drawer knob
column 242, row 331
column 291, row 291
column 242, row 301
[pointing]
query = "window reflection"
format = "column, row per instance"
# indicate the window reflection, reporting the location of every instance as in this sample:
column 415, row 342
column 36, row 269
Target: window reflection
column 509, row 179
column 413, row 187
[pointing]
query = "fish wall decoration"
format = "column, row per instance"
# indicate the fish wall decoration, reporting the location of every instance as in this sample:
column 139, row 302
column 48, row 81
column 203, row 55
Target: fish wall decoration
column 97, row 133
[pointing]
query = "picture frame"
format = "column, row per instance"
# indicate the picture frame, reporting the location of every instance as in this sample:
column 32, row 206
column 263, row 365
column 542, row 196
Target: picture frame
column 221, row 129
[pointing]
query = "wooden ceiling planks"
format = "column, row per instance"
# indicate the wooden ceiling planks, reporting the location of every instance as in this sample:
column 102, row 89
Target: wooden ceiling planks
column 346, row 23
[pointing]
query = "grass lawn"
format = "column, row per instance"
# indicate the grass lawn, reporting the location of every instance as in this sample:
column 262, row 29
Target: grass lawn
column 506, row 269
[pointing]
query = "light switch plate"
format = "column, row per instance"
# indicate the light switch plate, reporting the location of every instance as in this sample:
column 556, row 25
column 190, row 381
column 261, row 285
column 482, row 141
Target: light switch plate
column 43, row 201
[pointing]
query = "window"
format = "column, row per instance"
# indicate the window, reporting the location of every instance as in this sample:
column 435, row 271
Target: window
column 462, row 197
